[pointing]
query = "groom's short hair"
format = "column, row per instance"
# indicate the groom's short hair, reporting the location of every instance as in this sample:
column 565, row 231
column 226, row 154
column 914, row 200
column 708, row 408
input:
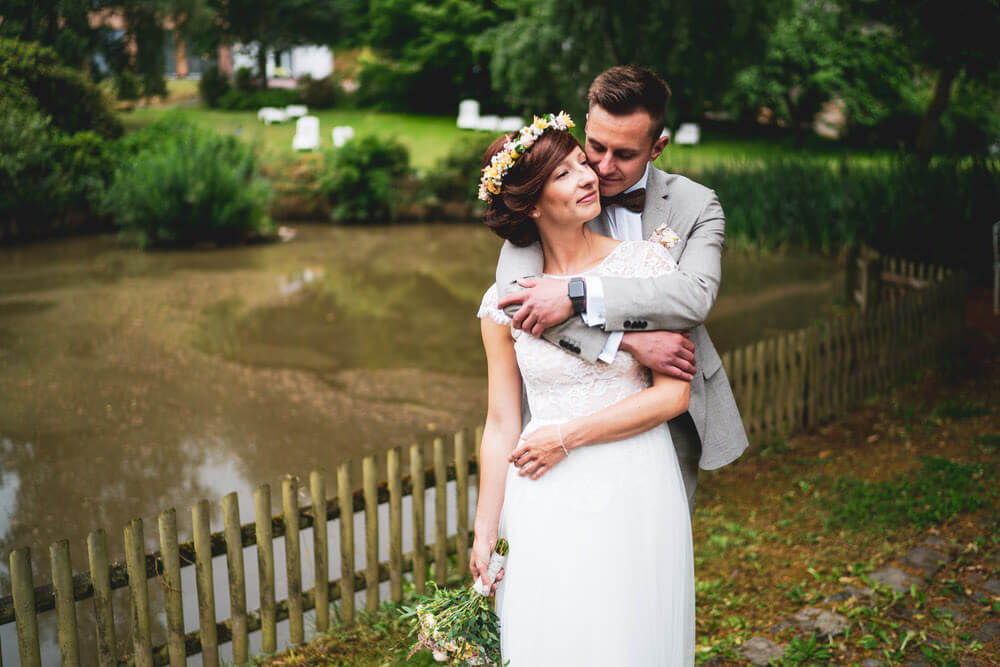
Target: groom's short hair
column 628, row 88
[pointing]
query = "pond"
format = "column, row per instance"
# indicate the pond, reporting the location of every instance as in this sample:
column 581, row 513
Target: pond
column 136, row 381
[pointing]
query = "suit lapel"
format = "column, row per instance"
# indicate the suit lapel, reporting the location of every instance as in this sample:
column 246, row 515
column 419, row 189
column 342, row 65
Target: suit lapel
column 655, row 212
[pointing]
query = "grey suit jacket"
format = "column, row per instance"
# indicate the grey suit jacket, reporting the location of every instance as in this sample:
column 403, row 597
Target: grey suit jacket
column 677, row 301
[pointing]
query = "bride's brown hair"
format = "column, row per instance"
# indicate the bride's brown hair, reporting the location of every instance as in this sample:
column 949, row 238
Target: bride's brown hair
column 508, row 214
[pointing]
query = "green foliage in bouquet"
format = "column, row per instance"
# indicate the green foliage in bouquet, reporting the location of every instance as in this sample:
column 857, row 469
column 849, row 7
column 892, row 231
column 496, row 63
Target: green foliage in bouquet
column 360, row 177
column 458, row 625
column 179, row 184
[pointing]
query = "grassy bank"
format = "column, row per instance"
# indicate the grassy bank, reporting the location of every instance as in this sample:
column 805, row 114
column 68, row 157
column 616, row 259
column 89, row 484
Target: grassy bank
column 431, row 137
column 791, row 529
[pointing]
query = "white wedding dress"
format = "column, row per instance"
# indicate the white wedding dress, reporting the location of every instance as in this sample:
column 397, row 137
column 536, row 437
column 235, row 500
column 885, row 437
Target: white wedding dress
column 600, row 570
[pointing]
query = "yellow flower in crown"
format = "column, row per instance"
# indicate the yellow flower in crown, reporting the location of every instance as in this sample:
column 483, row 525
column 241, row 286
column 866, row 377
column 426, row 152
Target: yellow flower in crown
column 492, row 179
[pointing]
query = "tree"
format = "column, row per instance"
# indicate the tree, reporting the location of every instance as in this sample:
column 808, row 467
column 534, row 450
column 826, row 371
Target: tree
column 954, row 38
column 817, row 53
column 278, row 24
column 551, row 49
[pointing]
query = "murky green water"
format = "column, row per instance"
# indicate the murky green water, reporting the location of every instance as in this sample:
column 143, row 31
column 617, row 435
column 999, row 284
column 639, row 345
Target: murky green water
column 135, row 381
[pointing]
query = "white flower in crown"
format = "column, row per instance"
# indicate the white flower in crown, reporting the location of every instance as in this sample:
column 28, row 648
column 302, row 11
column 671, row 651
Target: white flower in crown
column 492, row 178
column 665, row 237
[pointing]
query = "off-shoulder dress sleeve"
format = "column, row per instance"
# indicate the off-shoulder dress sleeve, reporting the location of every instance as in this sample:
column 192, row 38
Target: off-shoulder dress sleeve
column 488, row 308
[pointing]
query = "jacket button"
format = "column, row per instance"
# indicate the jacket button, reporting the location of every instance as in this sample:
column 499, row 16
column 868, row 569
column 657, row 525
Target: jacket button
column 565, row 343
column 628, row 324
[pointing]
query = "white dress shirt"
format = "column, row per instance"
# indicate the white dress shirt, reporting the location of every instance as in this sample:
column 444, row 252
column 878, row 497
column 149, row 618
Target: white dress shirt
column 625, row 226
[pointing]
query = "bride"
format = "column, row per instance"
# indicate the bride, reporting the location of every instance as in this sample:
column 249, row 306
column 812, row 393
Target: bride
column 588, row 492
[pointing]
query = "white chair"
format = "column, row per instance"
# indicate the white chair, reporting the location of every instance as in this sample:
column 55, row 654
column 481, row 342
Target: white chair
column 342, row 134
column 270, row 115
column 296, row 110
column 488, row 123
column 688, row 134
column 468, row 114
column 510, row 124
column 306, row 134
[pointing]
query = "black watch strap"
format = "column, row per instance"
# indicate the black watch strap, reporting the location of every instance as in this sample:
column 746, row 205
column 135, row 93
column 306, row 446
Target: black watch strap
column 578, row 294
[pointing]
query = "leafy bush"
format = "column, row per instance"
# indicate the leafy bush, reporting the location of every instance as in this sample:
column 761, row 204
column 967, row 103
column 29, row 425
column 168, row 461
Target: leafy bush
column 45, row 175
column 244, row 80
column 128, row 85
column 320, row 93
column 186, row 185
column 360, row 176
column 456, row 176
column 33, row 75
column 212, row 86
column 899, row 206
column 238, row 100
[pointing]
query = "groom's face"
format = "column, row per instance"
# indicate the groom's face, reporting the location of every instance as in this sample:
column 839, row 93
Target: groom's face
column 618, row 148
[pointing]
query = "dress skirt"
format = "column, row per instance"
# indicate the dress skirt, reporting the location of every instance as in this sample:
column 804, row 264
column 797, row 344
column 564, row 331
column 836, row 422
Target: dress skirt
column 600, row 570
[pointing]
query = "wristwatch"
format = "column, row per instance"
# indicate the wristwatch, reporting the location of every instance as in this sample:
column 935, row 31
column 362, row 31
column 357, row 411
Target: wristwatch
column 578, row 294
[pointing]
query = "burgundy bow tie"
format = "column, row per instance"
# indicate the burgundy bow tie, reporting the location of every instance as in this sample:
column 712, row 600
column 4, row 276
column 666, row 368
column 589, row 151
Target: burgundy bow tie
column 634, row 200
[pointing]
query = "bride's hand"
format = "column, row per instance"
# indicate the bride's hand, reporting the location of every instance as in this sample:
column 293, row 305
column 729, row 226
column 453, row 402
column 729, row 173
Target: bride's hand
column 537, row 452
column 479, row 559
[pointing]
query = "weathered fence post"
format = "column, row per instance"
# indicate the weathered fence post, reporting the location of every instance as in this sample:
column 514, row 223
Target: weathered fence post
column 462, row 503
column 237, row 583
column 135, row 560
column 440, row 514
column 104, row 617
column 265, row 568
column 321, row 568
column 23, row 591
column 200, row 517
column 369, row 482
column 173, row 600
column 293, row 568
column 394, row 474
column 419, row 530
column 62, row 582
column 345, row 502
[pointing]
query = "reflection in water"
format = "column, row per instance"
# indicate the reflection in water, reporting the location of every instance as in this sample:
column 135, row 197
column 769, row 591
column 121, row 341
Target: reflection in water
column 136, row 381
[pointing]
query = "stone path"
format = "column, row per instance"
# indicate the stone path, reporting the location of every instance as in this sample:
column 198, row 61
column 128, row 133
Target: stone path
column 945, row 591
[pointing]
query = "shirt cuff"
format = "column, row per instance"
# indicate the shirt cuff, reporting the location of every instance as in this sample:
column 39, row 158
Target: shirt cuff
column 611, row 346
column 595, row 313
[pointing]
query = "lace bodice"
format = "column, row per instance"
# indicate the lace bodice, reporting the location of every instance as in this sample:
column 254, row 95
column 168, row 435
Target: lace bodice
column 561, row 386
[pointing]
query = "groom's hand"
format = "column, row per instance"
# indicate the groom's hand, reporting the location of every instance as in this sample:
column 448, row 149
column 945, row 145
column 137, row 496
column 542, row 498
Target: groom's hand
column 544, row 303
column 666, row 352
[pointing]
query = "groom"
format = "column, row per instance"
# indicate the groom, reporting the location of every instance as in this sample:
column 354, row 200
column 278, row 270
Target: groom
column 658, row 320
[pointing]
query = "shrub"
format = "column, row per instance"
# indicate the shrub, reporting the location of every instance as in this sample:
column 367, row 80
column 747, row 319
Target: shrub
column 212, row 86
column 237, row 100
column 244, row 80
column 899, row 206
column 455, row 178
column 320, row 93
column 360, row 176
column 186, row 186
column 128, row 86
column 28, row 70
column 46, row 176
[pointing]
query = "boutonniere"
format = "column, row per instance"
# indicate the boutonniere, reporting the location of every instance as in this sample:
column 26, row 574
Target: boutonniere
column 664, row 236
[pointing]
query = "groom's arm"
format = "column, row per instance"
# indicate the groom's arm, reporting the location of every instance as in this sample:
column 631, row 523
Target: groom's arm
column 567, row 331
column 679, row 300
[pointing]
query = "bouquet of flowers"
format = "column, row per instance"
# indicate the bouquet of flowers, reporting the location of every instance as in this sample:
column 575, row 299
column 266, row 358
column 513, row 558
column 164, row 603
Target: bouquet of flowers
column 460, row 626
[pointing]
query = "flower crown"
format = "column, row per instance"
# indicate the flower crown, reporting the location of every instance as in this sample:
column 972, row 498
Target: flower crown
column 500, row 164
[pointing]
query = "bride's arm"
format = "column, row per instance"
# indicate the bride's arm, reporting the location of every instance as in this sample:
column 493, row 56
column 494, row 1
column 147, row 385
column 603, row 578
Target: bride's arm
column 503, row 426
column 541, row 449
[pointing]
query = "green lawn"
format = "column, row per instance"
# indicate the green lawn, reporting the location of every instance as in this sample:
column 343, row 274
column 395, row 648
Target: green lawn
column 431, row 137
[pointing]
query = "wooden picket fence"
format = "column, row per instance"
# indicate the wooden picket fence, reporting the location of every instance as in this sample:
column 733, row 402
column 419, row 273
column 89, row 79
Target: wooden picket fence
column 781, row 384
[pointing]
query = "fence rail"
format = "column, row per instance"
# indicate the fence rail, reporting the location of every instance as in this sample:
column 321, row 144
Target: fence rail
column 781, row 384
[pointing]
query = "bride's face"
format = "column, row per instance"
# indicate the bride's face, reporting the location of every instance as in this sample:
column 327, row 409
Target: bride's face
column 570, row 194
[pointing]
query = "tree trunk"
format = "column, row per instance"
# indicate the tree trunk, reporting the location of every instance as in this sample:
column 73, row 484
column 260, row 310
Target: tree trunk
column 938, row 103
column 262, row 64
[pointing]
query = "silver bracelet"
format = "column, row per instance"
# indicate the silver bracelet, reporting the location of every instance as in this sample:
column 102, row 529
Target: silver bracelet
column 561, row 443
